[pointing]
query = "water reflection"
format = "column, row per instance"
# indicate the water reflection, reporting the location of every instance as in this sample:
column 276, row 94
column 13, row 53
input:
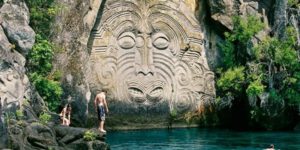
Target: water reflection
column 204, row 139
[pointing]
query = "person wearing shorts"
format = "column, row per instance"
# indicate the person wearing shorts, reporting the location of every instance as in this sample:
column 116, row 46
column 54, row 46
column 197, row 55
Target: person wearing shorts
column 102, row 109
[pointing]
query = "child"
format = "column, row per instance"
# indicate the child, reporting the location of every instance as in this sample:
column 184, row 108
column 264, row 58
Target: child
column 66, row 115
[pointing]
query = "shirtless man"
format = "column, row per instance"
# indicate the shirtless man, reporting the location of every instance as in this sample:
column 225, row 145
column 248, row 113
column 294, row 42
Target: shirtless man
column 100, row 104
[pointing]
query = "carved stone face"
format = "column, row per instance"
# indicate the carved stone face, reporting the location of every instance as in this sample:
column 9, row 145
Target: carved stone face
column 150, row 53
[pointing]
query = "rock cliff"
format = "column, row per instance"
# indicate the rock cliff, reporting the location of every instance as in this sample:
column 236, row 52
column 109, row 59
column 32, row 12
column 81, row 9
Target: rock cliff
column 113, row 47
column 21, row 107
column 154, row 57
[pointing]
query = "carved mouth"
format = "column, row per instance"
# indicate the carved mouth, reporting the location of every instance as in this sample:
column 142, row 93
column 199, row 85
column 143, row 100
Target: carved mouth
column 146, row 93
column 136, row 95
column 155, row 95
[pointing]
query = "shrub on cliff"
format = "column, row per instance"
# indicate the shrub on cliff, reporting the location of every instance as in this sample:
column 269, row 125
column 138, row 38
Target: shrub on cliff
column 40, row 57
column 270, row 68
column 49, row 90
column 231, row 75
column 42, row 13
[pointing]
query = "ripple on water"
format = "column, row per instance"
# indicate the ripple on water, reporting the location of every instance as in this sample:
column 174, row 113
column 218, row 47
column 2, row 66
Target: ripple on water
column 204, row 139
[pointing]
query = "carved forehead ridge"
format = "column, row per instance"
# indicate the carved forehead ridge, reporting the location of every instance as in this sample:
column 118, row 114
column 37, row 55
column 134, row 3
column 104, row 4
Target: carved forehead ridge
column 147, row 16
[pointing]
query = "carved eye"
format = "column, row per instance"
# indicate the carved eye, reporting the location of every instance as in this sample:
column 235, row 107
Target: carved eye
column 160, row 41
column 126, row 40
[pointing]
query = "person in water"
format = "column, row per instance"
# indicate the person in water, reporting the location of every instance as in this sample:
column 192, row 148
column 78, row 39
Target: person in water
column 101, row 107
column 66, row 115
column 271, row 147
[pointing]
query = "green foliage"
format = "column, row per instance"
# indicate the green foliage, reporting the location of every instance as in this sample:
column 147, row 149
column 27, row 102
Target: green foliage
column 292, row 95
column 19, row 114
column 280, row 58
column 40, row 57
column 245, row 28
column 172, row 116
column 56, row 76
column 235, row 46
column 50, row 90
column 8, row 116
column 89, row 136
column 173, row 113
column 42, row 13
column 26, row 102
column 40, row 66
column 232, row 80
column 274, row 95
column 228, row 54
column 255, row 88
column 293, row 3
column 44, row 118
column 272, row 66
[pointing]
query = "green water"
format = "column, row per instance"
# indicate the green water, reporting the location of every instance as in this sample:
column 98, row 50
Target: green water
column 204, row 139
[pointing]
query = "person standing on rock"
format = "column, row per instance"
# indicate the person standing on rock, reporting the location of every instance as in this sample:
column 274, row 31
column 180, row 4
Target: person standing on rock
column 66, row 115
column 101, row 106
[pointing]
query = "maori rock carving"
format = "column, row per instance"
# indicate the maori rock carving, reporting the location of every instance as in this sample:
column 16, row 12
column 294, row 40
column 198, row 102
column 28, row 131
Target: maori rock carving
column 150, row 52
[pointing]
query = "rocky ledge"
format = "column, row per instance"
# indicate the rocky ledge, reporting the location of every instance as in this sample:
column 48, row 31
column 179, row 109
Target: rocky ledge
column 25, row 122
column 24, row 130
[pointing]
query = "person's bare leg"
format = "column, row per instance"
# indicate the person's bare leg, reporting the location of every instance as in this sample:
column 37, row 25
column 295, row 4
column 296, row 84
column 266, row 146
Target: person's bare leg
column 64, row 121
column 68, row 122
column 102, row 126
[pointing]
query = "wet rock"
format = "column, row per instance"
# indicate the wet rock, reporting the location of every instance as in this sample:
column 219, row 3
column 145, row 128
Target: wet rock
column 73, row 138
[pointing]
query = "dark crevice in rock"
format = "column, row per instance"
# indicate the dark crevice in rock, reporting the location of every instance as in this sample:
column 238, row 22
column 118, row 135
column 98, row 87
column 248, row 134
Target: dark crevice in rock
column 98, row 20
column 212, row 24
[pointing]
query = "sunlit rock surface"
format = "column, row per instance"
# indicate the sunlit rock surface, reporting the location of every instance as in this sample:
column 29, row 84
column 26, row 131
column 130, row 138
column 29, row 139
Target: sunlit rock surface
column 150, row 56
column 14, row 20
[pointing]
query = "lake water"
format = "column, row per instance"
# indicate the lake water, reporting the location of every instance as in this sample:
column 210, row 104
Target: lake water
column 201, row 139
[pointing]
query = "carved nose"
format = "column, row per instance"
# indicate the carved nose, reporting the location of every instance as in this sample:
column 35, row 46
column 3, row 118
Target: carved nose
column 146, row 66
column 145, row 70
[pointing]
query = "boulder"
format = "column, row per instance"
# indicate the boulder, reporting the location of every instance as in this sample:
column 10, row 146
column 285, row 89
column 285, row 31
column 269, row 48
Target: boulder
column 73, row 138
column 4, row 43
column 15, row 22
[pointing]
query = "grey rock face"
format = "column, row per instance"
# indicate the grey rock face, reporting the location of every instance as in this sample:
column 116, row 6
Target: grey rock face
column 165, row 71
column 15, row 20
column 222, row 11
column 15, row 84
column 280, row 17
column 12, row 86
column 73, row 138
column 4, row 43
column 151, row 56
column 72, row 35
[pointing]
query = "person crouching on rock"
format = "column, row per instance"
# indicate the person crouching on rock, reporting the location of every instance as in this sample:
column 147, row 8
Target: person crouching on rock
column 100, row 104
column 65, row 115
